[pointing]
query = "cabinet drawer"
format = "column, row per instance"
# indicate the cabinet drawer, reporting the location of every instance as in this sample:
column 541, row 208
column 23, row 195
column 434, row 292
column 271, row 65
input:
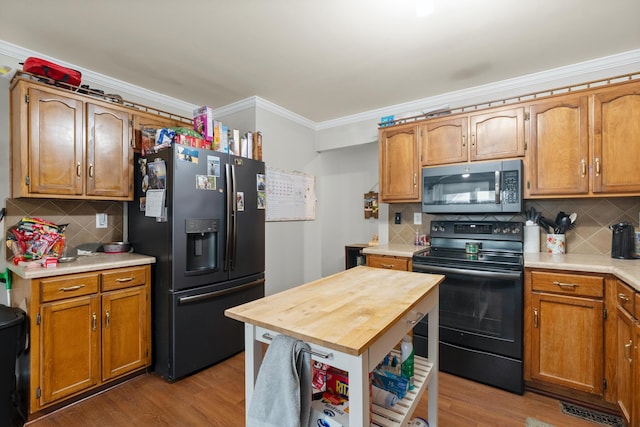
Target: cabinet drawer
column 568, row 284
column 388, row 262
column 625, row 296
column 62, row 287
column 123, row 278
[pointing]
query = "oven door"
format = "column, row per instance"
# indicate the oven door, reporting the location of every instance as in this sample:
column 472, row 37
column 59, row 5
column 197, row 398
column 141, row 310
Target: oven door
column 481, row 310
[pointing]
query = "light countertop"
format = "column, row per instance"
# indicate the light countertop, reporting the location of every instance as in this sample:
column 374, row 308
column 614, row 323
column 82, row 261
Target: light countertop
column 84, row 264
column 627, row 270
column 395, row 249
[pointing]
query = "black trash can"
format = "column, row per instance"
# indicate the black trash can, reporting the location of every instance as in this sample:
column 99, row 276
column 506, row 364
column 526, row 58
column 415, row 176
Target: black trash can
column 12, row 322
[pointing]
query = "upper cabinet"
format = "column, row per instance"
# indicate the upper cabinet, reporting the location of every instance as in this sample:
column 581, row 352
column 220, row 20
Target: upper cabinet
column 585, row 144
column 399, row 165
column 557, row 157
column 68, row 146
column 493, row 134
column 616, row 140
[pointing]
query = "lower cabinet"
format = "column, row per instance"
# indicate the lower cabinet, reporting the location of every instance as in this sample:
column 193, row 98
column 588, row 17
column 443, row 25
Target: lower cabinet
column 627, row 355
column 564, row 331
column 85, row 330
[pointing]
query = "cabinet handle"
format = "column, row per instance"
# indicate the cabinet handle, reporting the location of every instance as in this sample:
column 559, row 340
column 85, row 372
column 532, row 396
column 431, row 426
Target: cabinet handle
column 78, row 169
column 125, row 279
column 386, row 265
column 415, row 179
column 535, row 317
column 107, row 318
column 94, row 321
column 418, row 318
column 90, row 170
column 72, row 288
column 623, row 297
column 464, row 144
column 597, row 166
column 473, row 139
column 566, row 285
column 627, row 351
column 584, row 168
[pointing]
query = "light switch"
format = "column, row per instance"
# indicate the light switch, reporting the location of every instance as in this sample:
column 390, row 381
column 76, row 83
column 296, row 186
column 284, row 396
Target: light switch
column 417, row 218
column 102, row 220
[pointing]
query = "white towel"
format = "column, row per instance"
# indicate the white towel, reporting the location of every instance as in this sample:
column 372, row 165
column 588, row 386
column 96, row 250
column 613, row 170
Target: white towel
column 282, row 395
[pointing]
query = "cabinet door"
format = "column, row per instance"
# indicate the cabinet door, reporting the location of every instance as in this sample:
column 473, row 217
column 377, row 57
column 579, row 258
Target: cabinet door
column 109, row 157
column 444, row 141
column 636, row 374
column 567, row 342
column 124, row 332
column 399, row 166
column 70, row 336
column 497, row 135
column 624, row 363
column 56, row 144
column 558, row 153
column 616, row 140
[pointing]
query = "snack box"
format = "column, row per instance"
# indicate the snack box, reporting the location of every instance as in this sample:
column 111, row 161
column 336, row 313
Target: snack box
column 203, row 122
column 337, row 382
column 191, row 141
column 389, row 381
column 327, row 414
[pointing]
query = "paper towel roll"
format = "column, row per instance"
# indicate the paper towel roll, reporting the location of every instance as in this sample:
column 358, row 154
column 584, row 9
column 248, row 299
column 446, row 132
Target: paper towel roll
column 531, row 238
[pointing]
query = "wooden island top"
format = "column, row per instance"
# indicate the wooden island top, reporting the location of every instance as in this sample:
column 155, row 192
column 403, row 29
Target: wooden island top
column 347, row 311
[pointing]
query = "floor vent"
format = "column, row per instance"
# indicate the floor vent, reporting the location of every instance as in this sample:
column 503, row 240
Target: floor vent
column 591, row 415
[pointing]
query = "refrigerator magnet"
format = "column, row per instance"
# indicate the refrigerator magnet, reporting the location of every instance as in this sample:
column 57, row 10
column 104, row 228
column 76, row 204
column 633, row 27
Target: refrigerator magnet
column 213, row 166
column 186, row 154
column 157, row 172
column 240, row 201
column 205, row 182
column 262, row 200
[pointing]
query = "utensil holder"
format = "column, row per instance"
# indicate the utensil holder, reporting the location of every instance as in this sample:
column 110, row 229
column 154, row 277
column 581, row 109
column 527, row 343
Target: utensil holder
column 531, row 238
column 556, row 244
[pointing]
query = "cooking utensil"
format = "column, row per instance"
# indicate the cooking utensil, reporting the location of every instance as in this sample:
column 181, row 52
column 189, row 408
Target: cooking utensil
column 66, row 259
column 563, row 225
column 573, row 217
column 548, row 225
column 116, row 247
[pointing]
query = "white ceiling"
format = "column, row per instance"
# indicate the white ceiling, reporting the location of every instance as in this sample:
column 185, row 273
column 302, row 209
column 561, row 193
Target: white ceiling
column 321, row 59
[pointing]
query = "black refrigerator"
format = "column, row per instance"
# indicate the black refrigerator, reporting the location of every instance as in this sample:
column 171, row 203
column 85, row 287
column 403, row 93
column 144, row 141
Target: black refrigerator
column 201, row 214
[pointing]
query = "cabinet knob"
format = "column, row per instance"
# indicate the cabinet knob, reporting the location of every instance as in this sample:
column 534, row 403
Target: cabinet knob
column 78, row 169
column 623, row 297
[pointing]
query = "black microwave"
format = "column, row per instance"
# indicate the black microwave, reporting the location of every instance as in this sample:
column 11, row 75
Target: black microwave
column 486, row 187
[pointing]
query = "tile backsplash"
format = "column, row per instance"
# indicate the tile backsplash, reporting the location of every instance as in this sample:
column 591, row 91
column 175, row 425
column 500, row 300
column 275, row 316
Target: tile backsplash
column 79, row 214
column 591, row 234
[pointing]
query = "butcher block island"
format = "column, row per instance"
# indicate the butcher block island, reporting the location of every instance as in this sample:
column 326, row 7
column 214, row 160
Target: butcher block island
column 351, row 320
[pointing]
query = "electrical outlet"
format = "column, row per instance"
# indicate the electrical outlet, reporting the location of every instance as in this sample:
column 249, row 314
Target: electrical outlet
column 398, row 218
column 102, row 220
column 417, row 218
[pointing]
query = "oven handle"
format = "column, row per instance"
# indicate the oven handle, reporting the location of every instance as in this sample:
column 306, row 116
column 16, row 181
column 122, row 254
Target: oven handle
column 487, row 274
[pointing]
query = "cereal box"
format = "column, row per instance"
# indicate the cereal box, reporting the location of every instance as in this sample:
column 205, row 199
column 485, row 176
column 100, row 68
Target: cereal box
column 203, row 122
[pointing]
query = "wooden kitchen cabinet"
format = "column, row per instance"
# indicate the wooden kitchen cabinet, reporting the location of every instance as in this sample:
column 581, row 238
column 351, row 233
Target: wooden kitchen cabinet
column 66, row 145
column 616, row 139
column 626, row 353
column 564, row 332
column 585, row 144
column 496, row 133
column 400, row 172
column 557, row 159
column 86, row 330
column 389, row 262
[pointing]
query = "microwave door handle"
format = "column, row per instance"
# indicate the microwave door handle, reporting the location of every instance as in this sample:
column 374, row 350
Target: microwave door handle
column 497, row 187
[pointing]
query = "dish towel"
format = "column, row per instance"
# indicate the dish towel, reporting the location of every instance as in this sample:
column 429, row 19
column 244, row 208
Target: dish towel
column 282, row 395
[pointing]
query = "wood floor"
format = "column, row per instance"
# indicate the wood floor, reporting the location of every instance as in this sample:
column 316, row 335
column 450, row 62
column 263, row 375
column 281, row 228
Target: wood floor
column 215, row 397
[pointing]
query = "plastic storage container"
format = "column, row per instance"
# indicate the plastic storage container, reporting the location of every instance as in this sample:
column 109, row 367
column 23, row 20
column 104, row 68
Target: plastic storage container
column 12, row 322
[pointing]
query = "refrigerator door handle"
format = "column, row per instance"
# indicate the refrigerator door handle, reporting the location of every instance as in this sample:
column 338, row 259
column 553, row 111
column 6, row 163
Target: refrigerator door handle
column 235, row 219
column 216, row 294
column 229, row 219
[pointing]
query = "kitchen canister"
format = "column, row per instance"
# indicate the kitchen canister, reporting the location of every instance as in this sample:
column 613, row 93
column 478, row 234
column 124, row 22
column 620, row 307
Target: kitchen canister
column 531, row 238
column 556, row 243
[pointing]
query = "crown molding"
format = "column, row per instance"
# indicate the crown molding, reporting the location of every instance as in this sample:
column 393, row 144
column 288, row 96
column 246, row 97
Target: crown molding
column 574, row 72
